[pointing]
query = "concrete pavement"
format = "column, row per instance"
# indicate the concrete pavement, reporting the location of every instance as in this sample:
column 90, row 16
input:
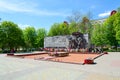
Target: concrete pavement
column 107, row 67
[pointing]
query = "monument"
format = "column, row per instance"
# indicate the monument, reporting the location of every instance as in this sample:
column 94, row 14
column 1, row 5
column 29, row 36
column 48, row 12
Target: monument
column 75, row 41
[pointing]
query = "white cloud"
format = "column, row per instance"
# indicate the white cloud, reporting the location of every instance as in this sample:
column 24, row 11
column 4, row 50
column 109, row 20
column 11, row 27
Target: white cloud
column 104, row 14
column 48, row 13
column 23, row 7
column 23, row 26
column 7, row 6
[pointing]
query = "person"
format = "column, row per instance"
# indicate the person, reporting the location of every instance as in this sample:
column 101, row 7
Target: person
column 12, row 51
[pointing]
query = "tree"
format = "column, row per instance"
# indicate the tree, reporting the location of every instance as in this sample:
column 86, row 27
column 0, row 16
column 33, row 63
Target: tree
column 116, row 25
column 10, row 35
column 79, row 22
column 59, row 29
column 73, row 27
column 85, row 25
column 30, row 37
column 75, row 17
column 89, row 15
column 63, row 29
column 54, row 30
column 74, row 21
column 41, row 34
column 98, row 36
column 118, row 9
column 2, row 37
column 111, row 26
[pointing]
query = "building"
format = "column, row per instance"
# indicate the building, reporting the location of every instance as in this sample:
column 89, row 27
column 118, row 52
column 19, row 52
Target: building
column 98, row 21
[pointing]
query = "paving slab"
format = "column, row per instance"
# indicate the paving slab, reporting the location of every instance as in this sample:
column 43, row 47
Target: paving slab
column 107, row 67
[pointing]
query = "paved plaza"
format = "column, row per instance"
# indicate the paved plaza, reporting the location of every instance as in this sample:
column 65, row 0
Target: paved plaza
column 107, row 67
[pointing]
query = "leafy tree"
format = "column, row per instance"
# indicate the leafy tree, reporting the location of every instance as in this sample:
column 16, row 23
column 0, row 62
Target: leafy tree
column 111, row 26
column 73, row 27
column 2, row 37
column 54, row 30
column 63, row 29
column 10, row 35
column 41, row 34
column 116, row 25
column 59, row 29
column 98, row 36
column 30, row 37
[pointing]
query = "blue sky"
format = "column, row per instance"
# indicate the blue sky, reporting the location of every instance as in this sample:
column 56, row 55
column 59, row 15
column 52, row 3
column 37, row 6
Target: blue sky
column 44, row 13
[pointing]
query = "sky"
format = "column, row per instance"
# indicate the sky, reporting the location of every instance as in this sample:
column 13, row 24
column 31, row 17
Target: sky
column 44, row 13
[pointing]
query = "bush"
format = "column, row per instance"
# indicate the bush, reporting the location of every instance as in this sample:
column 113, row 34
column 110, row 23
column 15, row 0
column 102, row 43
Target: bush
column 105, row 49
